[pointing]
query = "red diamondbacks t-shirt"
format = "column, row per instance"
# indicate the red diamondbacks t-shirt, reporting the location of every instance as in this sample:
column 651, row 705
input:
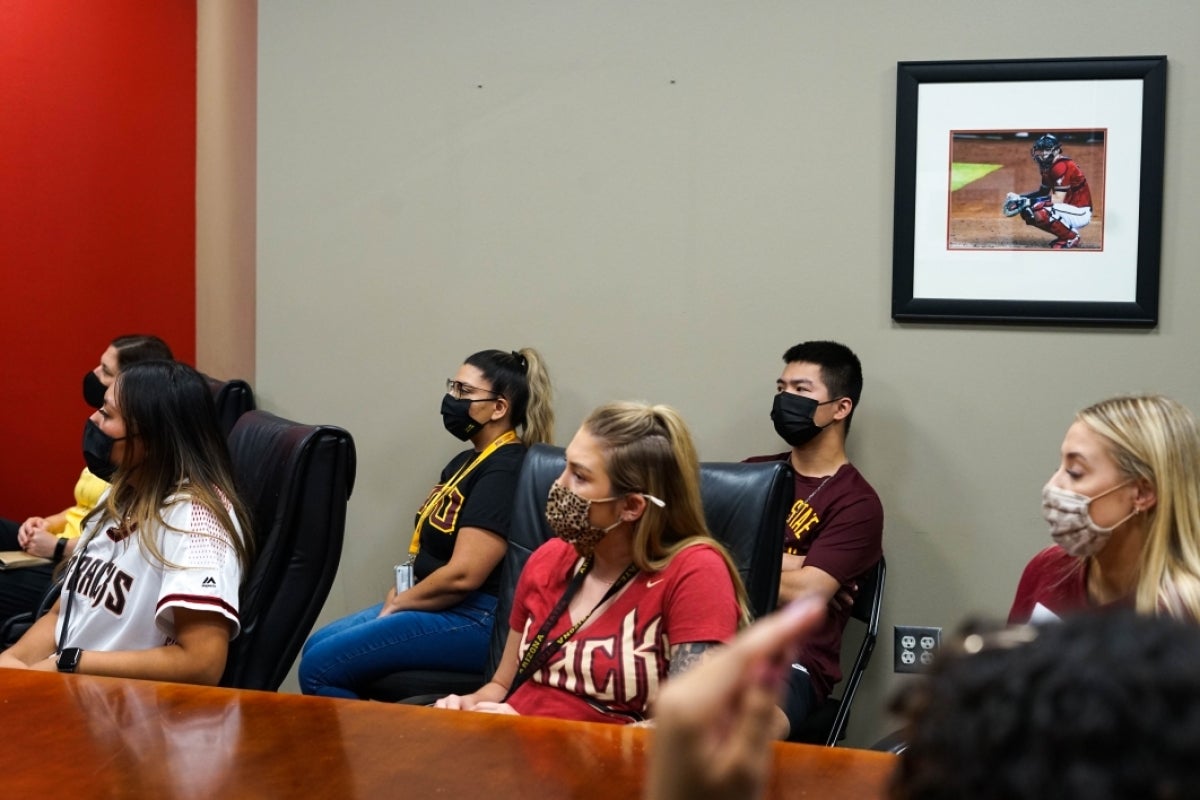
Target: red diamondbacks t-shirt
column 619, row 659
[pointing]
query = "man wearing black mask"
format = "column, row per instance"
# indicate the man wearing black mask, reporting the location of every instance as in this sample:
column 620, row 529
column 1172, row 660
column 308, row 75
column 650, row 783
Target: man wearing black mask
column 833, row 535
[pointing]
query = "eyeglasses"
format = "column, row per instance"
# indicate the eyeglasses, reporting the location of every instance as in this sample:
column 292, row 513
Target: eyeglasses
column 458, row 390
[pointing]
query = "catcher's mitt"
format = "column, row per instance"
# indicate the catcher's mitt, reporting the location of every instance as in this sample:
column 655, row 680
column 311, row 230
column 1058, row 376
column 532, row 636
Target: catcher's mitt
column 1014, row 204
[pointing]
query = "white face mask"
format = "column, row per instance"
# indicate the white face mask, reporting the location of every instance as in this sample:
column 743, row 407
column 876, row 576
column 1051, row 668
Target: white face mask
column 1071, row 525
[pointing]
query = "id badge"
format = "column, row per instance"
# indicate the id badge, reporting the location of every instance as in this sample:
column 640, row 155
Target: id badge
column 404, row 577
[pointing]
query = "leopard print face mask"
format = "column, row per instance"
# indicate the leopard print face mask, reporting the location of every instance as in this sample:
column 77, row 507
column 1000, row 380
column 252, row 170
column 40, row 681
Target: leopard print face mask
column 567, row 515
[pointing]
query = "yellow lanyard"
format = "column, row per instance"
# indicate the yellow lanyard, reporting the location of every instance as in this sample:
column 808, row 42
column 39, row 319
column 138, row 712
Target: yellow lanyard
column 436, row 499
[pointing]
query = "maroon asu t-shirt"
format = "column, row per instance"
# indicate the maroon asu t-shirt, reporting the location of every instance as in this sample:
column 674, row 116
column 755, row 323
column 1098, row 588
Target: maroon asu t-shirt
column 837, row 525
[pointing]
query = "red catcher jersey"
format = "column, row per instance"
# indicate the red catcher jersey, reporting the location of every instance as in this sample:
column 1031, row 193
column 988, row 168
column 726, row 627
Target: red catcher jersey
column 1064, row 175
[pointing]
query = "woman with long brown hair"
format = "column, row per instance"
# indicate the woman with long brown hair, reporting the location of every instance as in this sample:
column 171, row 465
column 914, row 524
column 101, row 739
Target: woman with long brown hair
column 152, row 589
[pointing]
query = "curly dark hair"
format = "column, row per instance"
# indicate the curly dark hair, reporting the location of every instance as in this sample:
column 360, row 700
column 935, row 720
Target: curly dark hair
column 1103, row 706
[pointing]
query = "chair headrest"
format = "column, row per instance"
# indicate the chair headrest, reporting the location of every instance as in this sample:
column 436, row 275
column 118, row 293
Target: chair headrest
column 232, row 398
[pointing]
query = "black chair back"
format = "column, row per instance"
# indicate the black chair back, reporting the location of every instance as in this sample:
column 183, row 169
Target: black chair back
column 746, row 506
column 233, row 398
column 528, row 531
column 296, row 481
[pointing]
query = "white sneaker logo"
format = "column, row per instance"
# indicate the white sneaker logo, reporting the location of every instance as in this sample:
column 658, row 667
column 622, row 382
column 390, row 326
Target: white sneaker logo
column 652, row 584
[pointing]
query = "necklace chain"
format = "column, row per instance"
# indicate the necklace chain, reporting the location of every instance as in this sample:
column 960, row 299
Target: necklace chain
column 820, row 486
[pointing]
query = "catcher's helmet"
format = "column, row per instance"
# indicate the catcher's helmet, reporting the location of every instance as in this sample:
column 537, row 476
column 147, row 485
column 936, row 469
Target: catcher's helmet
column 1046, row 149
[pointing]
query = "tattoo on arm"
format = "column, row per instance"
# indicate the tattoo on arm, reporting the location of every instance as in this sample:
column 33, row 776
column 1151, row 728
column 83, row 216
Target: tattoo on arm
column 688, row 655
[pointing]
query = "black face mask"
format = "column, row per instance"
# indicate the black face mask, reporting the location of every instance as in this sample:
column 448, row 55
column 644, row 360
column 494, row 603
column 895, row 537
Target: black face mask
column 456, row 416
column 97, row 451
column 793, row 418
column 93, row 390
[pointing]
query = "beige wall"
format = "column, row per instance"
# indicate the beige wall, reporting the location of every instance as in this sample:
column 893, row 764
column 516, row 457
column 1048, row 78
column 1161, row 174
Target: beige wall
column 226, row 115
column 663, row 197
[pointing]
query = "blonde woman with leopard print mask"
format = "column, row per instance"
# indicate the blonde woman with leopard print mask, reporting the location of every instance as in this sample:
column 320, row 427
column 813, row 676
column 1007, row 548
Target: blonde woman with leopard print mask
column 634, row 589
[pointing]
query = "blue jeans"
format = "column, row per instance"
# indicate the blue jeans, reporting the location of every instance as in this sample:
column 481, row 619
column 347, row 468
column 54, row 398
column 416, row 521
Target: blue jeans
column 363, row 647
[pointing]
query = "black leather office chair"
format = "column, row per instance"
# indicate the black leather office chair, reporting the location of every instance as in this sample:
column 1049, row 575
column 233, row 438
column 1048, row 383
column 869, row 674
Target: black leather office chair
column 744, row 505
column 827, row 724
column 233, row 398
column 295, row 480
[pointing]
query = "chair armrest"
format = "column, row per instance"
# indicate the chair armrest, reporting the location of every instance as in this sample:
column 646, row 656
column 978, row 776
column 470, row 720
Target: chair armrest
column 14, row 628
column 895, row 742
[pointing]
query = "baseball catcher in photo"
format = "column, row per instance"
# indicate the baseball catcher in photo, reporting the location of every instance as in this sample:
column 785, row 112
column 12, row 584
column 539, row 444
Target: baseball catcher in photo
column 1062, row 204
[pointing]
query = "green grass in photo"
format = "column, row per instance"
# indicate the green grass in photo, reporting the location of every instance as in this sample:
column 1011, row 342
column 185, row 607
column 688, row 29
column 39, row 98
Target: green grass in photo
column 962, row 173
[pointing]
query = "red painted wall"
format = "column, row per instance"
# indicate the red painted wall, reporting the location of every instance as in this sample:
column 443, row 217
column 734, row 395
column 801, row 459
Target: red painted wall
column 97, row 215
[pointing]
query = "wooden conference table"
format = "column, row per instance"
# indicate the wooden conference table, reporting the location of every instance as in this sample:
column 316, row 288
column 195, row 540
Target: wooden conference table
column 101, row 737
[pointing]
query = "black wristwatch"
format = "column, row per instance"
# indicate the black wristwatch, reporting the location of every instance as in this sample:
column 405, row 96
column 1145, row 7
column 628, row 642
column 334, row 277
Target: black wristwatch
column 60, row 548
column 68, row 659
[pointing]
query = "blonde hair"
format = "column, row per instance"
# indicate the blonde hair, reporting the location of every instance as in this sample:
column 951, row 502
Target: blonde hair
column 1155, row 439
column 539, row 414
column 521, row 377
column 649, row 449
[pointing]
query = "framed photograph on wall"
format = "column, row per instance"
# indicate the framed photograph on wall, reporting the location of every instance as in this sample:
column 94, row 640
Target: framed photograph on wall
column 1029, row 191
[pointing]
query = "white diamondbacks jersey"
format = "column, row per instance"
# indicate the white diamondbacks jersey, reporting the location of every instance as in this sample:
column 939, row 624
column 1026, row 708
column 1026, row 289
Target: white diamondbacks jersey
column 122, row 598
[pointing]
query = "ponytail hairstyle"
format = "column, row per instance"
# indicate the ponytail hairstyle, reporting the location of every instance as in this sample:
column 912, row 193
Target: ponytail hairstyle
column 171, row 420
column 521, row 377
column 140, row 347
column 648, row 449
column 1155, row 439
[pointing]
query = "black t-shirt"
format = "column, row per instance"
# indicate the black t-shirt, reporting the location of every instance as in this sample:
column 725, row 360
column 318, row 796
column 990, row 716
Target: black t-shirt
column 483, row 499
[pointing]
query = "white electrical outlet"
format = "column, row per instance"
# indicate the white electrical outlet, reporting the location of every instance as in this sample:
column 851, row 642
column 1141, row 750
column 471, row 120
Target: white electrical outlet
column 915, row 647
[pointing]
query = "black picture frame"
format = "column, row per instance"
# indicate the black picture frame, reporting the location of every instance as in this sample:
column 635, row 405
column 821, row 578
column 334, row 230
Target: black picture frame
column 1112, row 278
